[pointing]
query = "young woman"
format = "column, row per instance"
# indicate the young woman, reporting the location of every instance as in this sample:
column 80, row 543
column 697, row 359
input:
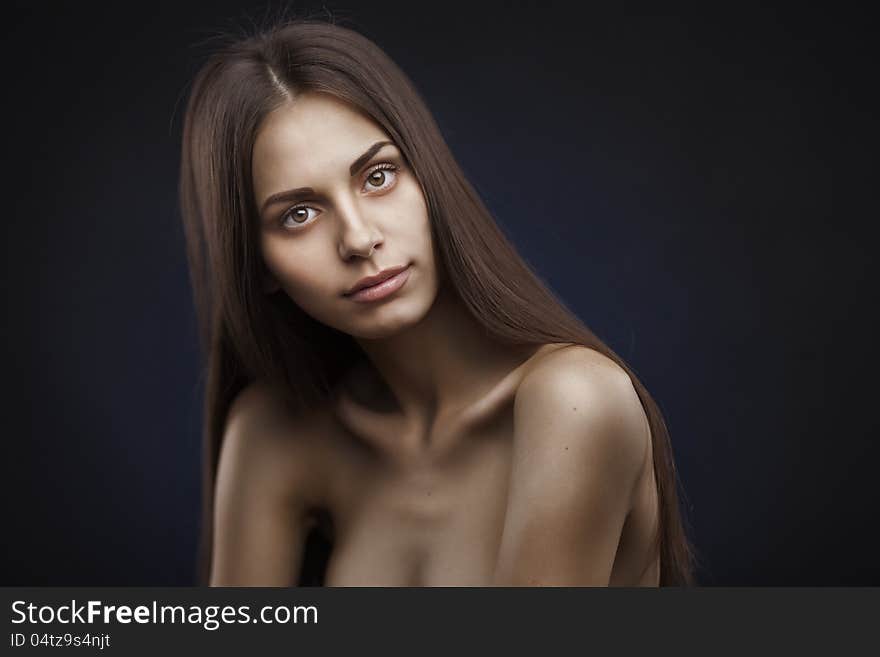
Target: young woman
column 383, row 369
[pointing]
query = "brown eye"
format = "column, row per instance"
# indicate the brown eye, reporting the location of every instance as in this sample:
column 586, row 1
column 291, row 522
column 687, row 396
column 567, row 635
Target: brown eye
column 296, row 216
column 379, row 179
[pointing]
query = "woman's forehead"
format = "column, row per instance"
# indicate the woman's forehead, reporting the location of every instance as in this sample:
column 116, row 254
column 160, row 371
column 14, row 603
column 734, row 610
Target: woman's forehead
column 314, row 127
column 310, row 140
column 314, row 121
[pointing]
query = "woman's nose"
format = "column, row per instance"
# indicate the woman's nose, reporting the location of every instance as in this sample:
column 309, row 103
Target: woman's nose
column 358, row 236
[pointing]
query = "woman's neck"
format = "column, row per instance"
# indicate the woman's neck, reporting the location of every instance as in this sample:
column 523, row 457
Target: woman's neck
column 437, row 366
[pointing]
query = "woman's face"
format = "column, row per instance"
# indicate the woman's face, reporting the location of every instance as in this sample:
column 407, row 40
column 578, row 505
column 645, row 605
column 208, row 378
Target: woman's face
column 358, row 217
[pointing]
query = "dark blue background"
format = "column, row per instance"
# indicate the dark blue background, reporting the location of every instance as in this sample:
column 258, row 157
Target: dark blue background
column 669, row 176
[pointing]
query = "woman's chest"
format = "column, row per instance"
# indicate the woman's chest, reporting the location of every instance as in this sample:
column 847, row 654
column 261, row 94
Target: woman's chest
column 424, row 523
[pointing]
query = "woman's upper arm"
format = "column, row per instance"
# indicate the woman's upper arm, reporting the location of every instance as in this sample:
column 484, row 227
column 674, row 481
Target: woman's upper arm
column 581, row 440
column 260, row 499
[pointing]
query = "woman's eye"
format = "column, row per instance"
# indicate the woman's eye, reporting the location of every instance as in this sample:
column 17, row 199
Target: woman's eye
column 296, row 216
column 382, row 176
column 379, row 177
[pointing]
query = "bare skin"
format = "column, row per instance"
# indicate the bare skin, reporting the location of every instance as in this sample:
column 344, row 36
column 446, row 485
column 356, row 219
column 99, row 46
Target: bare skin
column 446, row 458
column 396, row 518
column 436, row 517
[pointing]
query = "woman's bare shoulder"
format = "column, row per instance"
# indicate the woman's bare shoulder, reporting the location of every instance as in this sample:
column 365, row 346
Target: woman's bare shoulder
column 265, row 415
column 585, row 388
column 265, row 434
column 574, row 364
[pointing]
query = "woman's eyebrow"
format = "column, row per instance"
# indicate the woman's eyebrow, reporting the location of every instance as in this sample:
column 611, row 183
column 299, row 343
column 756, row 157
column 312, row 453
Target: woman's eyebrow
column 292, row 195
column 370, row 152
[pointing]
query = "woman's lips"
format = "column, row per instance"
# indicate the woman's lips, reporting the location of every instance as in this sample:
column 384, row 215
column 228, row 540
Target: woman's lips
column 381, row 290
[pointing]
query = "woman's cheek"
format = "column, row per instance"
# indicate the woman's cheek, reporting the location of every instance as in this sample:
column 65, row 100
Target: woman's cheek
column 290, row 269
column 299, row 278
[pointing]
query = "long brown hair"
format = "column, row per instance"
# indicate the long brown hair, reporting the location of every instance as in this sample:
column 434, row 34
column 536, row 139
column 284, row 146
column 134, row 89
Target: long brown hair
column 248, row 335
